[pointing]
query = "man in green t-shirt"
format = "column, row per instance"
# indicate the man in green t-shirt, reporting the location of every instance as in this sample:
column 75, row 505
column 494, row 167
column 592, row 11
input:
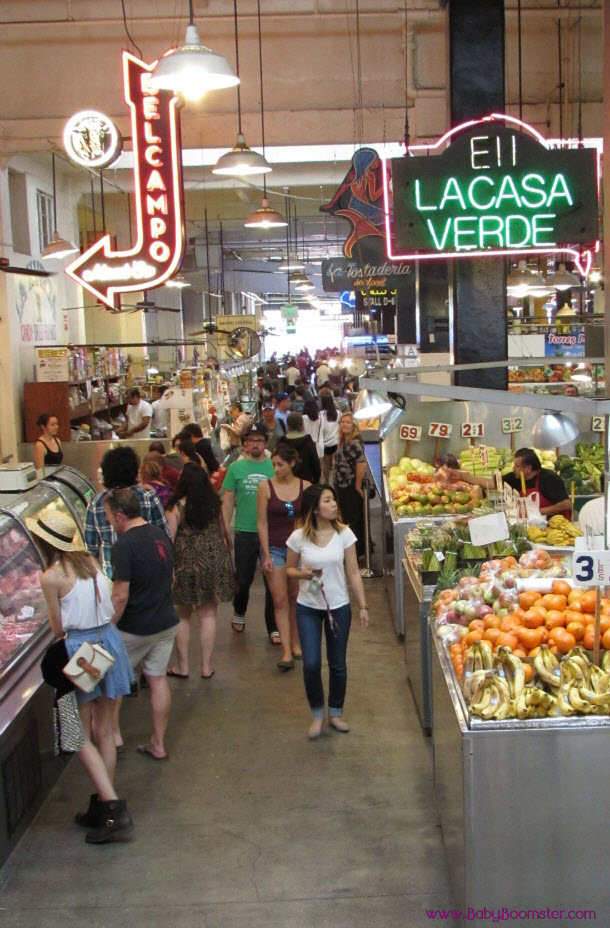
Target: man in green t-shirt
column 240, row 491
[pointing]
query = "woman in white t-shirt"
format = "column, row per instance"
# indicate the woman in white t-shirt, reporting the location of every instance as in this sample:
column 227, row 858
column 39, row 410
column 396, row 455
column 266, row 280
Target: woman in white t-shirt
column 326, row 551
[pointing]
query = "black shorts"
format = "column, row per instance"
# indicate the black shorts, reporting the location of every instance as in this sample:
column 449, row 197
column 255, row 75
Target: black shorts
column 330, row 449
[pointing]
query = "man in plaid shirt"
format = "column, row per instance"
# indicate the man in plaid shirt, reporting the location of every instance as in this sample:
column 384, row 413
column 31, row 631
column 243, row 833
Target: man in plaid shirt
column 119, row 469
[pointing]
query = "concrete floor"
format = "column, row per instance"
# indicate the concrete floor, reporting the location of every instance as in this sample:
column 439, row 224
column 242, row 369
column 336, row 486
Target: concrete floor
column 248, row 823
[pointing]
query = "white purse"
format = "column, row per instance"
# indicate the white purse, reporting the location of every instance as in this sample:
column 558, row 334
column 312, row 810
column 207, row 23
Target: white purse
column 91, row 662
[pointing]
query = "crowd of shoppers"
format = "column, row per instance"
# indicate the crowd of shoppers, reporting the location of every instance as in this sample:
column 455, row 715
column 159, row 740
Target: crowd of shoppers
column 164, row 548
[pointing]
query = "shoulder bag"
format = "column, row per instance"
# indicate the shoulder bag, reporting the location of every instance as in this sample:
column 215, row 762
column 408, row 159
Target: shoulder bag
column 90, row 664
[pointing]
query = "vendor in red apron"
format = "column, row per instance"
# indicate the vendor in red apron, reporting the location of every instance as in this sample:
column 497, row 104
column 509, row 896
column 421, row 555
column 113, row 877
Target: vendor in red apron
column 538, row 479
column 550, row 487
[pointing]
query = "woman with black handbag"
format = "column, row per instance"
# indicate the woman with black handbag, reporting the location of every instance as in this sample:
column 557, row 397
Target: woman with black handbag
column 80, row 608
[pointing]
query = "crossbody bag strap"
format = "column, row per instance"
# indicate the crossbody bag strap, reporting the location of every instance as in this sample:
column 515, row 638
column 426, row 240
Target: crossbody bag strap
column 96, row 596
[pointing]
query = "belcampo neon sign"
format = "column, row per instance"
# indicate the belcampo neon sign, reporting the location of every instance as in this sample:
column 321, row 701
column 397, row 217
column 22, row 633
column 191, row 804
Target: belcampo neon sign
column 495, row 190
column 159, row 212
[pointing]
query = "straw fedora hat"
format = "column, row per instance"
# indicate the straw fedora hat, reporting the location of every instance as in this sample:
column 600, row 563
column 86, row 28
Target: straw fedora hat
column 57, row 529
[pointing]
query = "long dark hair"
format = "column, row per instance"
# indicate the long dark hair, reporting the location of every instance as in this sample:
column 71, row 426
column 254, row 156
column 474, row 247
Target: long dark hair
column 202, row 503
column 310, row 501
column 310, row 409
column 327, row 405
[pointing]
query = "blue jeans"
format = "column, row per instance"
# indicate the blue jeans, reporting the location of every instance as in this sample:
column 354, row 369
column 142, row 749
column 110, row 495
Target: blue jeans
column 310, row 622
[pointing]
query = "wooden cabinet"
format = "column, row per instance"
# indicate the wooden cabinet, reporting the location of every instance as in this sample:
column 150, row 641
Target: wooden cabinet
column 54, row 398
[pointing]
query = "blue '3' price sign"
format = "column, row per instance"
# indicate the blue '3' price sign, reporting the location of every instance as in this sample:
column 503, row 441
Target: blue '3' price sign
column 591, row 568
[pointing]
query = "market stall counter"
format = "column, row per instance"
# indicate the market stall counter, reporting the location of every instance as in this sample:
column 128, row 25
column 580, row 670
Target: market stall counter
column 28, row 767
column 522, row 804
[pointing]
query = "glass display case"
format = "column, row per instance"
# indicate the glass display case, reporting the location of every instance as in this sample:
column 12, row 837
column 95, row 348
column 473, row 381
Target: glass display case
column 76, row 481
column 23, row 612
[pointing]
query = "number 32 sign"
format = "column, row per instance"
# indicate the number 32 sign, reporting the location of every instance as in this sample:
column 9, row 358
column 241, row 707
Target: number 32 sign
column 591, row 568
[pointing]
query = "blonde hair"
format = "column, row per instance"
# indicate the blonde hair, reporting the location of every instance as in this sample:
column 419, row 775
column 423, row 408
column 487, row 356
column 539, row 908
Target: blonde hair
column 355, row 429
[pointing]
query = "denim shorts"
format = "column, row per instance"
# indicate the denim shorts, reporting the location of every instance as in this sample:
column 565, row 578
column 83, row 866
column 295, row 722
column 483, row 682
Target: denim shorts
column 278, row 555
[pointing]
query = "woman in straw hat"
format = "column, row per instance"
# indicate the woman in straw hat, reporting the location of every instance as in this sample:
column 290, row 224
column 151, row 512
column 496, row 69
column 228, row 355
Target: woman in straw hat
column 80, row 608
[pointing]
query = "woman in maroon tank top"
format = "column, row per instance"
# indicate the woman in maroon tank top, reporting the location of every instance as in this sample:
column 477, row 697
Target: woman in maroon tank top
column 278, row 507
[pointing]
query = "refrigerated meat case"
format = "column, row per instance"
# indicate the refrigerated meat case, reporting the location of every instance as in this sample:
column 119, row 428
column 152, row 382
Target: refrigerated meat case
column 75, row 489
column 28, row 768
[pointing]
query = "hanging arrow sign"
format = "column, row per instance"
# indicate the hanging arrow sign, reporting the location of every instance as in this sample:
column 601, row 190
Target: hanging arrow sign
column 159, row 247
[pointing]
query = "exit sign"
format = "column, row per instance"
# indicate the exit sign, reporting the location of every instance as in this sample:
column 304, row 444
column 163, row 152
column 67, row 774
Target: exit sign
column 495, row 189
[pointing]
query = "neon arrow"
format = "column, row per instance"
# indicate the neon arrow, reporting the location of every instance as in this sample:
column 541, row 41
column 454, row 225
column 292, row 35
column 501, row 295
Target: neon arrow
column 159, row 211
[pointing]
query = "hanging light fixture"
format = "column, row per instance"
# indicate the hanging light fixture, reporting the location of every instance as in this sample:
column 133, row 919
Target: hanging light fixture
column 562, row 279
column 581, row 374
column 241, row 161
column 520, row 280
column 264, row 217
column 58, row 247
column 291, row 264
column 552, row 430
column 178, row 282
column 192, row 69
column 370, row 404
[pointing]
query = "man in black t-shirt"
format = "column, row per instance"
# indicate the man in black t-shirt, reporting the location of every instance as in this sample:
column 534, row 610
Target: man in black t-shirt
column 554, row 497
column 143, row 574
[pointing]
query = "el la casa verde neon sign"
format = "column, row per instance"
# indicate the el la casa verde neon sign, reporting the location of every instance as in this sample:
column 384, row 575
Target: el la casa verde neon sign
column 159, row 212
column 496, row 189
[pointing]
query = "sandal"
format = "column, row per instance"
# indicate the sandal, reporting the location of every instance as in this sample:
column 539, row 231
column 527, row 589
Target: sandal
column 274, row 638
column 238, row 624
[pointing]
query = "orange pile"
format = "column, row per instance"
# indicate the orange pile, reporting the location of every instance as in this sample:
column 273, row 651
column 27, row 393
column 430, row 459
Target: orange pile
column 562, row 619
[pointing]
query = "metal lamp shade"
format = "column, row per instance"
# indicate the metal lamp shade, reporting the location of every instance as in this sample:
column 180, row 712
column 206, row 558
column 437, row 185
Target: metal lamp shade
column 389, row 421
column 370, row 404
column 59, row 248
column 241, row 161
column 552, row 430
column 192, row 69
column 265, row 217
column 562, row 279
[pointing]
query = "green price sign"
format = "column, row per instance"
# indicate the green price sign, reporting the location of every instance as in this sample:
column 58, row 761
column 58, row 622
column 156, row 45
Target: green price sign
column 495, row 189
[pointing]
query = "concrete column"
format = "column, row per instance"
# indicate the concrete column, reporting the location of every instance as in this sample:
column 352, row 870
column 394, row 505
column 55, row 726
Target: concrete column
column 8, row 359
column 476, row 49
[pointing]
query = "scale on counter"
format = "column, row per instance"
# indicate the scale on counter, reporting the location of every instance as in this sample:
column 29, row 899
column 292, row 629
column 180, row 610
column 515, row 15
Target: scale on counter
column 17, row 477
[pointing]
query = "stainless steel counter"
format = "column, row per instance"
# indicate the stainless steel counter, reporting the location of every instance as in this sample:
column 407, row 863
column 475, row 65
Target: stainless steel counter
column 416, row 604
column 523, row 807
column 86, row 456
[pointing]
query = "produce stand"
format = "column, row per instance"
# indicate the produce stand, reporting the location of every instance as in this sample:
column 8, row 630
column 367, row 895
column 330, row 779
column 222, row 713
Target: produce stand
column 417, row 598
column 522, row 804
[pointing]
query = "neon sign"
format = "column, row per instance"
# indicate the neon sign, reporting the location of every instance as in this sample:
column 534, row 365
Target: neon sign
column 495, row 190
column 92, row 140
column 159, row 212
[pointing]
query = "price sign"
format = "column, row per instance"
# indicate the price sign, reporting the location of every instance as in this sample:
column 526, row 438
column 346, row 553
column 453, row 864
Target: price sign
column 410, row 432
column 591, row 568
column 440, row 430
column 486, row 529
column 498, row 481
column 512, row 425
column 473, row 430
column 484, row 455
column 598, row 424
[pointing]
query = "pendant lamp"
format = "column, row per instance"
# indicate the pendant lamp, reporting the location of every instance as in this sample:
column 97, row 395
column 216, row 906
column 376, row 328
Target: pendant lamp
column 264, row 217
column 291, row 264
column 58, row 247
column 241, row 161
column 562, row 279
column 552, row 430
column 370, row 404
column 192, row 69
column 520, row 280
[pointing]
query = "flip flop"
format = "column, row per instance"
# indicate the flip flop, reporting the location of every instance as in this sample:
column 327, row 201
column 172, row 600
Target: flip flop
column 207, row 676
column 144, row 749
column 178, row 676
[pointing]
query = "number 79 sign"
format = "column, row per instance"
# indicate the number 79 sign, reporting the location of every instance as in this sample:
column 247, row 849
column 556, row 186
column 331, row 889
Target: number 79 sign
column 440, row 430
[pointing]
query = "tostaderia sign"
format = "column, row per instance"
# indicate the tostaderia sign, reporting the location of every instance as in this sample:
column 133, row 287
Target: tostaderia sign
column 159, row 247
column 494, row 189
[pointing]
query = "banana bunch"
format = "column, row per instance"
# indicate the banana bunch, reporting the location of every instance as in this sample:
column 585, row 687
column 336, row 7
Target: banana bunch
column 533, row 702
column 583, row 687
column 560, row 533
column 547, row 667
column 490, row 695
column 477, row 659
column 510, row 668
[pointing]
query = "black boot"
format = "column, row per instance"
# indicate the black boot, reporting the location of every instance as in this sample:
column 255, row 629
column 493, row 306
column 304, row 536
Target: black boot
column 91, row 817
column 114, row 822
